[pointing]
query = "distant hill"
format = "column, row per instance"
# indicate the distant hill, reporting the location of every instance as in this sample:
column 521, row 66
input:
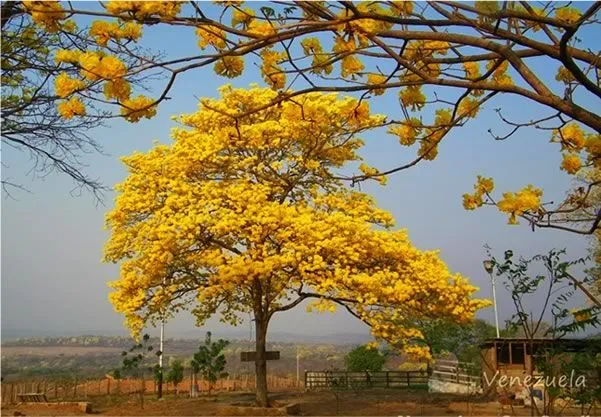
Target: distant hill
column 198, row 334
column 95, row 355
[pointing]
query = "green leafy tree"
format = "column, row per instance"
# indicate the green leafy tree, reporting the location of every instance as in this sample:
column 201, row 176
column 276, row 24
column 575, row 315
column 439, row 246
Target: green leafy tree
column 175, row 374
column 364, row 358
column 135, row 363
column 460, row 339
column 210, row 360
column 549, row 276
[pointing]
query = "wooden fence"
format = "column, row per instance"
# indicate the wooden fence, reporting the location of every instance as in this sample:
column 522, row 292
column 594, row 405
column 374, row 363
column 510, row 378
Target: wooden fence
column 355, row 380
column 457, row 372
column 80, row 390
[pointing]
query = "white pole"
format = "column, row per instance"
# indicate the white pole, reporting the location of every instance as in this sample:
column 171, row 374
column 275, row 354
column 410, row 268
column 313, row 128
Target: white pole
column 297, row 366
column 161, row 345
column 161, row 338
column 494, row 301
column 161, row 376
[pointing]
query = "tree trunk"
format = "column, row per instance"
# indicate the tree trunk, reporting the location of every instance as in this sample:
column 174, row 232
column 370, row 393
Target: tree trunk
column 261, row 360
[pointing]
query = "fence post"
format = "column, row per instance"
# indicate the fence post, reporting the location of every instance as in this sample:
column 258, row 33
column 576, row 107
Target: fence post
column 408, row 379
column 387, row 379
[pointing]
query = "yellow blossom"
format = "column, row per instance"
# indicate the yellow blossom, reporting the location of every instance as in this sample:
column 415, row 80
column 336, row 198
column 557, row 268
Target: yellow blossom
column 311, row 46
column 210, row 35
column 499, row 75
column 443, row 117
column 118, row 89
column 134, row 109
column 242, row 16
column 482, row 187
column 571, row 163
column 350, row 65
column 372, row 172
column 472, row 70
column 516, row 204
column 428, row 149
column 413, row 97
column 468, row 107
column 436, row 47
column 259, row 28
column 271, row 71
column 229, row 66
column 376, row 79
column 111, row 68
column 342, row 45
column 571, row 137
column 131, row 30
column 593, row 146
column 64, row 85
column 103, row 31
column 407, row 131
column 141, row 10
column 564, row 75
column 472, row 202
column 45, row 13
column 366, row 26
column 69, row 56
column 90, row 65
column 72, row 107
column 95, row 66
column 568, row 14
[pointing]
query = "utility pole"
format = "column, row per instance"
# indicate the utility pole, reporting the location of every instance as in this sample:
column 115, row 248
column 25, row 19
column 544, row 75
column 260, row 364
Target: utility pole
column 160, row 379
column 297, row 366
column 160, row 376
column 488, row 266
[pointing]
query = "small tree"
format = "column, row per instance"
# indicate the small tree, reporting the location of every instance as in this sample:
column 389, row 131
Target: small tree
column 461, row 339
column 364, row 358
column 175, row 374
column 210, row 361
column 133, row 364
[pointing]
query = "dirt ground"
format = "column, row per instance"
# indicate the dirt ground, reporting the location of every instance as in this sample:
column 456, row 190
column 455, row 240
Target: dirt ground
column 365, row 403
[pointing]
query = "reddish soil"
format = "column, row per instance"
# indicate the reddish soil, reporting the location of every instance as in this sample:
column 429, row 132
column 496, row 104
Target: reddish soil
column 365, row 403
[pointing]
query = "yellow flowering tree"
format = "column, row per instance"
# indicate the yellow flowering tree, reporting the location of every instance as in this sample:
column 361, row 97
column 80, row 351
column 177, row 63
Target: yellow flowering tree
column 244, row 214
column 443, row 60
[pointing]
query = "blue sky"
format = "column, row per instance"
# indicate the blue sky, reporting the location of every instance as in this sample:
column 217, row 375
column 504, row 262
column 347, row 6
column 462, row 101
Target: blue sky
column 52, row 277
